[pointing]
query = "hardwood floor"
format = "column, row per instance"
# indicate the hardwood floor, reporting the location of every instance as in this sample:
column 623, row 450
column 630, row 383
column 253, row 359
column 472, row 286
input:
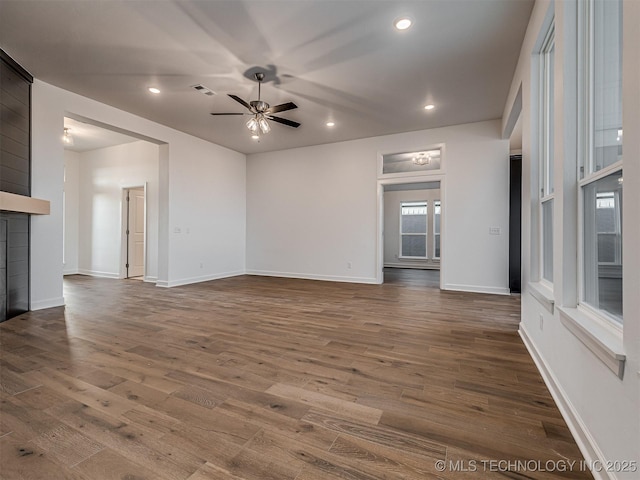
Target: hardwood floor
column 412, row 277
column 266, row 378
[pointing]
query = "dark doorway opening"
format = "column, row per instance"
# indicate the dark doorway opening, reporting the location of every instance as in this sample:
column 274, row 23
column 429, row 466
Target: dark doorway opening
column 515, row 222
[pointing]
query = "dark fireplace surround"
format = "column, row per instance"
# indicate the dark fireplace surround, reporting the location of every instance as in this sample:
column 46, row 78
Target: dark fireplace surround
column 16, row 203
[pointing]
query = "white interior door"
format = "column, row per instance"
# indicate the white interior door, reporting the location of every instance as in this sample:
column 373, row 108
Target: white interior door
column 136, row 232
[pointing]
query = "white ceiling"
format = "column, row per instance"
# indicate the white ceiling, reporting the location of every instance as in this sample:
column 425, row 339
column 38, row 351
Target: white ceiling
column 515, row 141
column 337, row 60
column 90, row 137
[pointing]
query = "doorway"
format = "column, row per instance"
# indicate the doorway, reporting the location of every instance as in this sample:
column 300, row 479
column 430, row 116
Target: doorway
column 410, row 231
column 135, row 232
column 515, row 223
column 102, row 164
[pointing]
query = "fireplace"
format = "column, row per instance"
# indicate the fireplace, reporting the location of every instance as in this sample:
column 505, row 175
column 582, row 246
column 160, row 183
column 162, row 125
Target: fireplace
column 16, row 204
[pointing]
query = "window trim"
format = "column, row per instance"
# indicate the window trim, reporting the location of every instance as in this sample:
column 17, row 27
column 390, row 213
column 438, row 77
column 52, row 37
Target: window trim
column 439, row 202
column 585, row 171
column 549, row 198
column 597, row 335
column 545, row 121
column 546, row 191
column 606, row 171
column 543, row 293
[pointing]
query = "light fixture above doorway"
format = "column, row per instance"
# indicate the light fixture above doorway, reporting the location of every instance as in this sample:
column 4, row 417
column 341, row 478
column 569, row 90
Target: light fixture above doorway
column 422, row 159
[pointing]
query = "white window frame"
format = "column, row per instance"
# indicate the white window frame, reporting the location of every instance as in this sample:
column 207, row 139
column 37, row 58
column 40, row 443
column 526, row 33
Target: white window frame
column 545, row 148
column 586, row 173
column 436, row 203
column 426, row 238
column 599, row 333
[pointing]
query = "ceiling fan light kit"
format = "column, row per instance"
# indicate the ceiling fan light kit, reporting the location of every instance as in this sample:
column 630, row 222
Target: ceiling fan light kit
column 263, row 124
column 252, row 124
column 261, row 112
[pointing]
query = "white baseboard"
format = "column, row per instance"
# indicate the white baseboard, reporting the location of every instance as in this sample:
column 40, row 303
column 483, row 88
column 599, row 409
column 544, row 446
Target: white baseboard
column 149, row 279
column 418, row 266
column 94, row 273
column 585, row 441
column 477, row 289
column 310, row 276
column 203, row 278
column 48, row 303
column 70, row 272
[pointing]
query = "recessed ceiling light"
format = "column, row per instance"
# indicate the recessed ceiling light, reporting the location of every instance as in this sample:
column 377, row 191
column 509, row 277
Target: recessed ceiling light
column 255, row 137
column 402, row 23
column 429, row 107
column 331, row 124
column 154, row 90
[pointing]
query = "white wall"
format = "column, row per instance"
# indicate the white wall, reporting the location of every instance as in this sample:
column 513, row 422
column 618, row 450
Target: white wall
column 207, row 198
column 392, row 201
column 72, row 206
column 313, row 210
column 602, row 410
column 104, row 173
column 202, row 187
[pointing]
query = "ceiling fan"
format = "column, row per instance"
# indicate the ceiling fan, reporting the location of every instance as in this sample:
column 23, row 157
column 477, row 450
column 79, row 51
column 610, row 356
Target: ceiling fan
column 261, row 112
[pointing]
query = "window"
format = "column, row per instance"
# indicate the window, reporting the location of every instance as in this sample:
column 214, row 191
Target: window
column 608, row 223
column 423, row 161
column 600, row 158
column 546, row 129
column 602, row 245
column 413, row 230
column 436, row 229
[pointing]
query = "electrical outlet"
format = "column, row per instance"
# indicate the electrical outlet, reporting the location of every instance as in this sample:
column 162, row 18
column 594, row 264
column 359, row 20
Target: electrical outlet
column 349, row 265
column 202, row 265
column 494, row 230
column 177, row 230
column 541, row 322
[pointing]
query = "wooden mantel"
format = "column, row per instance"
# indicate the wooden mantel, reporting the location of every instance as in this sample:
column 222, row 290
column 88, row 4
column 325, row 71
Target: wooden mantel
column 10, row 202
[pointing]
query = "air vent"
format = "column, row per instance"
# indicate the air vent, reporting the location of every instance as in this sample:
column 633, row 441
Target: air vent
column 202, row 89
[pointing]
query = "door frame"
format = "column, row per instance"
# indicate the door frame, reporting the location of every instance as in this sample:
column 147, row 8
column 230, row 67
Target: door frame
column 380, row 221
column 123, row 229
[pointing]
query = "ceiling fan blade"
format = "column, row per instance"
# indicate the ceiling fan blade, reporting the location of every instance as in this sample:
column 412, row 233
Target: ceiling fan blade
column 241, row 101
column 284, row 121
column 235, row 113
column 283, row 107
